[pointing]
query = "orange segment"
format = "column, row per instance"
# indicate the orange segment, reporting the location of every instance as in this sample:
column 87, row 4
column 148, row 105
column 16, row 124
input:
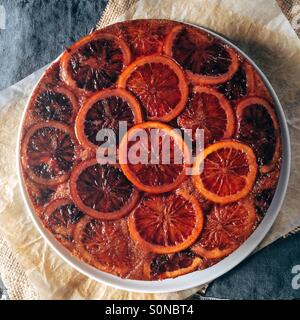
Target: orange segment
column 226, row 227
column 159, row 84
column 105, row 110
column 102, row 191
column 229, row 171
column 94, row 62
column 211, row 111
column 166, row 223
column 154, row 174
column 205, row 59
column 258, row 127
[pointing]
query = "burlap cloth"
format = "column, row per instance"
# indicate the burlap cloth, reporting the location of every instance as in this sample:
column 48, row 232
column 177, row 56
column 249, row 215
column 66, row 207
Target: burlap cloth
column 291, row 8
column 28, row 267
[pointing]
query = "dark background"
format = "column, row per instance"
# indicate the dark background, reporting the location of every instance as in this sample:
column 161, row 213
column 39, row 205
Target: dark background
column 36, row 33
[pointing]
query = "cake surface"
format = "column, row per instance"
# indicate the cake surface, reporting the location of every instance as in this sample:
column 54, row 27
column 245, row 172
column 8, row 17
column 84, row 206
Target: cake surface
column 150, row 220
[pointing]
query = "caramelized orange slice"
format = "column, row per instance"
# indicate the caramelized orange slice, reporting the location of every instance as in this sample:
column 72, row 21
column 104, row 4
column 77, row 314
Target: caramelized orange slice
column 94, row 62
column 154, row 174
column 105, row 110
column 264, row 189
column 48, row 152
column 57, row 104
column 225, row 229
column 258, row 127
column 172, row 265
column 205, row 60
column 229, row 171
column 240, row 85
column 145, row 37
column 107, row 246
column 39, row 194
column 159, row 84
column 102, row 191
column 61, row 217
column 211, row 111
column 166, row 223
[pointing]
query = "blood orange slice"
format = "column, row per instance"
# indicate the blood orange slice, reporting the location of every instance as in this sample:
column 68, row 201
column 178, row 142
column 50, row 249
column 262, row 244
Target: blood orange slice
column 267, row 181
column 102, row 191
column 107, row 246
column 258, row 127
column 105, row 110
column 225, row 229
column 229, row 171
column 172, row 265
column 240, row 85
column 94, row 62
column 145, row 37
column 61, row 217
column 205, row 60
column 39, row 194
column 159, row 84
column 166, row 223
column 211, row 111
column 48, row 152
column 264, row 190
column 154, row 157
column 58, row 104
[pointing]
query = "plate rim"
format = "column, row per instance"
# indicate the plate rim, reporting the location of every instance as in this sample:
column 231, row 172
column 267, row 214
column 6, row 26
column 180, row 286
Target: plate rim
column 196, row 278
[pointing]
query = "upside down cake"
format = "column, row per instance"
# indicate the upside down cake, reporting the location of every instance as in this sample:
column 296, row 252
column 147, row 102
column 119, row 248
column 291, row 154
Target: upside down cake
column 150, row 221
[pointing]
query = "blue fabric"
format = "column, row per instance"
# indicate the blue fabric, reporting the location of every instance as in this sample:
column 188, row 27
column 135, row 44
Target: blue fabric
column 267, row 274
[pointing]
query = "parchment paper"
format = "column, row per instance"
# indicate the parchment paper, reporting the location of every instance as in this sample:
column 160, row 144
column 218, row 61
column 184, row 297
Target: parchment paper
column 261, row 30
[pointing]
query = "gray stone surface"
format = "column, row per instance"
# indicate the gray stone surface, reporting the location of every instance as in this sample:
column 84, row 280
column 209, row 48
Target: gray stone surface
column 37, row 31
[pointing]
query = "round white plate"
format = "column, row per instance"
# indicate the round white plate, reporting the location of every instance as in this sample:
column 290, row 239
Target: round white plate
column 196, row 278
